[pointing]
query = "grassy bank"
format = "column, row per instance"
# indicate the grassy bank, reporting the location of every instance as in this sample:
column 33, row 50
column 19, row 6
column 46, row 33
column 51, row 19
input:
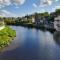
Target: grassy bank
column 6, row 36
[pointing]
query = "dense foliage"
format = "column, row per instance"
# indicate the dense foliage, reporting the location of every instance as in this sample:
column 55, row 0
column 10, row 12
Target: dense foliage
column 6, row 36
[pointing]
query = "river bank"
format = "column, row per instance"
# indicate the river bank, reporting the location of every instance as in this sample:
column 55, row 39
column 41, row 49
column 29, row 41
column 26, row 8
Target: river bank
column 6, row 36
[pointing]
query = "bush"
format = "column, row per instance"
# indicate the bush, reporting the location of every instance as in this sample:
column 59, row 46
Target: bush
column 6, row 36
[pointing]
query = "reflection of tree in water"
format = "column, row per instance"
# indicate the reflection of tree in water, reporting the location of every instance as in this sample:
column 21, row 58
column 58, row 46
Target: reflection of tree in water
column 57, row 37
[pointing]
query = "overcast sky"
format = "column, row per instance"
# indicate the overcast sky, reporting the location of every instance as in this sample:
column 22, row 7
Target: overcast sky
column 13, row 8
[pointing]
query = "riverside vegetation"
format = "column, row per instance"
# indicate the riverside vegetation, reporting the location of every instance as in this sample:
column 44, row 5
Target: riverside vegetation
column 6, row 36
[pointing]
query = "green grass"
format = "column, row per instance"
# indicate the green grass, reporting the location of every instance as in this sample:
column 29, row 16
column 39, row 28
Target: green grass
column 6, row 36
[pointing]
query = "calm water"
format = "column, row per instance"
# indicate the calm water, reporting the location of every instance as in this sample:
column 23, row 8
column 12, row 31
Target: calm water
column 31, row 44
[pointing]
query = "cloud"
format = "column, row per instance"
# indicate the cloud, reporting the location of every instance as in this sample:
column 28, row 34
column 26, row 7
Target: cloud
column 49, row 2
column 5, row 13
column 57, row 7
column 4, row 3
column 56, row 0
column 44, row 3
column 34, row 5
column 17, row 7
column 18, row 2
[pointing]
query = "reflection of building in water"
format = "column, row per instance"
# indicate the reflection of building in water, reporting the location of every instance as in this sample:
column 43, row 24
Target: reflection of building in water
column 57, row 37
column 57, row 23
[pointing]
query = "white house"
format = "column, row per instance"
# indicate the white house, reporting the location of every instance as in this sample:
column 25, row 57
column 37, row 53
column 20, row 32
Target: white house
column 57, row 23
column 33, row 19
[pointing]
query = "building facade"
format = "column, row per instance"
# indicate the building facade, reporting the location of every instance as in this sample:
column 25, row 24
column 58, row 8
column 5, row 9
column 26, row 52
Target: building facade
column 57, row 23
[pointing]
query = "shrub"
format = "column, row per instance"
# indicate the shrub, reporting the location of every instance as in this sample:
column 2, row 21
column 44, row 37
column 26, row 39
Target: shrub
column 6, row 36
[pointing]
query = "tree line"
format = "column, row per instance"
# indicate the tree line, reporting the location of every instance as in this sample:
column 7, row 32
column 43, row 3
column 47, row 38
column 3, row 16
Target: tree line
column 21, row 20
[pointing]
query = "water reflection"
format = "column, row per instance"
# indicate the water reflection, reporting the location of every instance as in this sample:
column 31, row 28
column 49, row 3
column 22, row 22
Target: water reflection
column 57, row 37
column 31, row 44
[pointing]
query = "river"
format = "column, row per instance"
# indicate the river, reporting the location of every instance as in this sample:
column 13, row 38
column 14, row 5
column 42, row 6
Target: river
column 31, row 44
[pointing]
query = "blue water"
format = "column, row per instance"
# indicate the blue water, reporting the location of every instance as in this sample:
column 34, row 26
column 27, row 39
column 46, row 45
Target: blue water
column 31, row 44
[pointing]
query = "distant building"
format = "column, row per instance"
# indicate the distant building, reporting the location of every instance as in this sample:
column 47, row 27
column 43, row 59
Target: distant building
column 57, row 23
column 45, row 22
column 33, row 19
column 30, row 18
column 24, row 19
column 38, row 20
